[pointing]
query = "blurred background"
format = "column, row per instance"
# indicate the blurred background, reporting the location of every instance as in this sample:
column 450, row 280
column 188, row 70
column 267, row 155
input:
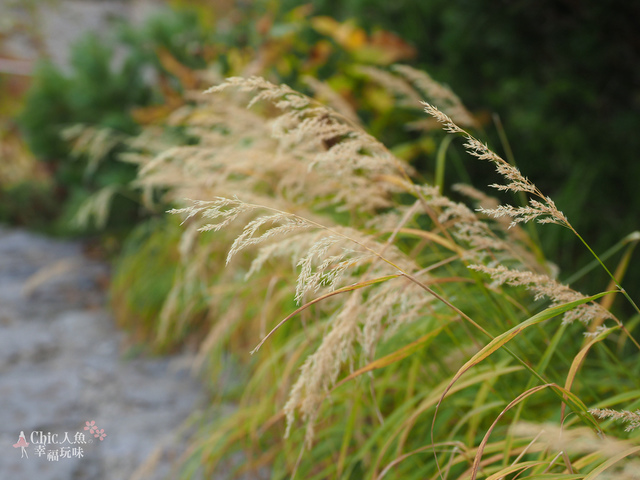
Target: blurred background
column 555, row 86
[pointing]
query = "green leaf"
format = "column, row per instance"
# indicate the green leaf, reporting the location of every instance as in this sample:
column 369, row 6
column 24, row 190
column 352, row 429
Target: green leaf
column 501, row 340
column 509, row 335
column 396, row 356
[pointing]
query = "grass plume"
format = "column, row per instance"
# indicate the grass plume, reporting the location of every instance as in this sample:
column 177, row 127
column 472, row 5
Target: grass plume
column 392, row 304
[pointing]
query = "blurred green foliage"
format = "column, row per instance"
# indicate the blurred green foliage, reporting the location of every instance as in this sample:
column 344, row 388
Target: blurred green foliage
column 564, row 78
column 107, row 80
column 150, row 256
column 27, row 203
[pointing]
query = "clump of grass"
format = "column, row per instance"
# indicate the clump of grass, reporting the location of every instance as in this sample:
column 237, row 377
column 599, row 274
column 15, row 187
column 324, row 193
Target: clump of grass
column 423, row 330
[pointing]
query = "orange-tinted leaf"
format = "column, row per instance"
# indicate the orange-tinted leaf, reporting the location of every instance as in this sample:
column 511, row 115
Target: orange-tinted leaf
column 186, row 76
column 347, row 35
column 579, row 358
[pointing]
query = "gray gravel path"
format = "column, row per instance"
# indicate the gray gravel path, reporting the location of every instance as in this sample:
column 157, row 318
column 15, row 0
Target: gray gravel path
column 62, row 365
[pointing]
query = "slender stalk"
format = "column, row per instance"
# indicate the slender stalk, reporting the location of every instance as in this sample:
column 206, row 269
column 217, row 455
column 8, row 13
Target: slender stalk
column 622, row 290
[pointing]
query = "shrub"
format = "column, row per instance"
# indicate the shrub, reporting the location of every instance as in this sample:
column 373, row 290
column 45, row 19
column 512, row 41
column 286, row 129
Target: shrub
column 77, row 122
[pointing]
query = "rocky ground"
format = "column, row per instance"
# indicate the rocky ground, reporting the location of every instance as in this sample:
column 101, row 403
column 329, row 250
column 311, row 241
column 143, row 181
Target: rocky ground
column 62, row 365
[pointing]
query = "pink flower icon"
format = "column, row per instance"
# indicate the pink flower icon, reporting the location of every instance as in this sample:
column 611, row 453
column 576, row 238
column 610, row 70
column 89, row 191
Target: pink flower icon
column 91, row 426
column 100, row 433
